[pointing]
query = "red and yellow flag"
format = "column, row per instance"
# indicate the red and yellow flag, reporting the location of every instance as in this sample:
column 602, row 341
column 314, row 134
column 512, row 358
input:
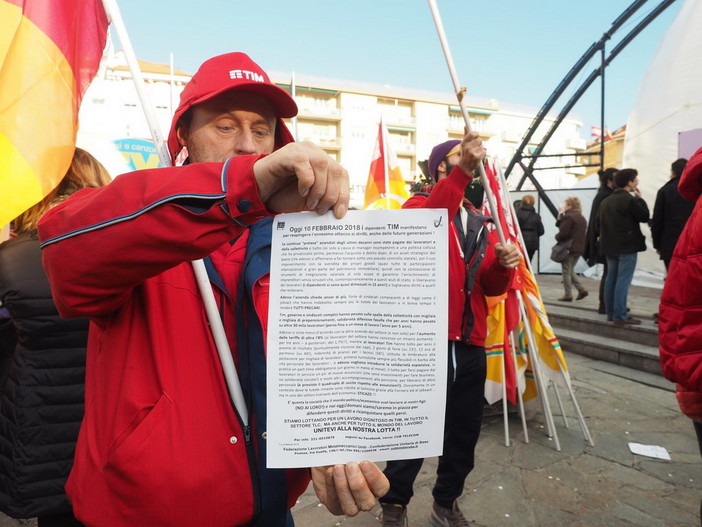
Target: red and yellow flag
column 385, row 189
column 504, row 319
column 50, row 50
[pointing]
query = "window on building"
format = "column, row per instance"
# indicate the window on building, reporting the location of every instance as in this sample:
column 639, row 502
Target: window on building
column 397, row 110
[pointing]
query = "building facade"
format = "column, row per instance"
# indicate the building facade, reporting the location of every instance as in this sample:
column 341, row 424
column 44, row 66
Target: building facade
column 340, row 116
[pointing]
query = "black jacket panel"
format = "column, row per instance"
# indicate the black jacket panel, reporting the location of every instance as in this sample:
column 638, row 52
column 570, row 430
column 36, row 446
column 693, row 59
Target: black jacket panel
column 592, row 252
column 42, row 387
column 531, row 226
column 670, row 214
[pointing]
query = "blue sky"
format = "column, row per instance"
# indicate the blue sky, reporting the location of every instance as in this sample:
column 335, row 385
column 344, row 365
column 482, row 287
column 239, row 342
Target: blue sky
column 515, row 51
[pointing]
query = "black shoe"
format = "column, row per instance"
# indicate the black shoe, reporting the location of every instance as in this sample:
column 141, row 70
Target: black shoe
column 393, row 515
column 581, row 295
column 601, row 310
column 566, row 299
column 443, row 517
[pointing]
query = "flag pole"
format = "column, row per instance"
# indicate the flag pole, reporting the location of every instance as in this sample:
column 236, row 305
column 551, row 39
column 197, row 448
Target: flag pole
column 293, row 93
column 386, row 162
column 171, row 82
column 505, row 410
column 115, row 16
column 457, row 88
column 520, row 399
column 534, row 357
column 220, row 338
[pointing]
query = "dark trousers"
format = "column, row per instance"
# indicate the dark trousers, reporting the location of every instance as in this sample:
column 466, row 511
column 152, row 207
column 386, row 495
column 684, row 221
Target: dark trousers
column 698, row 431
column 58, row 520
column 464, row 414
column 602, row 286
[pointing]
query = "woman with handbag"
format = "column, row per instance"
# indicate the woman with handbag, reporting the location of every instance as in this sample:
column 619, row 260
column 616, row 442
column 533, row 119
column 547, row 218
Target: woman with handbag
column 572, row 226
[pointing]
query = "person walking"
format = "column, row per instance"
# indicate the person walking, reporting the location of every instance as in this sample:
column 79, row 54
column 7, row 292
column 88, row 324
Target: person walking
column 571, row 227
column 530, row 224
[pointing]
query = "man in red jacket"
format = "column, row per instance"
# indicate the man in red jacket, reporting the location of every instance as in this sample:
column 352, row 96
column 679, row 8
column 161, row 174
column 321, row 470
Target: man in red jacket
column 161, row 443
column 476, row 269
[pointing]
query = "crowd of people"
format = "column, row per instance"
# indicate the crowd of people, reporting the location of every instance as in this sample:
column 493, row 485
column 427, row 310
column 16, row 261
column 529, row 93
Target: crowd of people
column 96, row 285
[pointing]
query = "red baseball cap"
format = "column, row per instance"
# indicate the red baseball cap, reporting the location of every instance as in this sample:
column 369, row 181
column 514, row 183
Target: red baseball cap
column 231, row 71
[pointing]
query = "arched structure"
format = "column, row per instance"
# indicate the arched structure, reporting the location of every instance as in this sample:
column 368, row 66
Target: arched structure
column 528, row 162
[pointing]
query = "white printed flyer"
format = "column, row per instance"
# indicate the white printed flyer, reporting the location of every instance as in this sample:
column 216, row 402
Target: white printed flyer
column 357, row 337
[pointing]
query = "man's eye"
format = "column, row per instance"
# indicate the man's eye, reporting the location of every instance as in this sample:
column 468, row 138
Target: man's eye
column 226, row 128
column 260, row 133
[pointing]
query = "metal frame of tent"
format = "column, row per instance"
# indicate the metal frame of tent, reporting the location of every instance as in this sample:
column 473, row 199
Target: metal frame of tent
column 597, row 47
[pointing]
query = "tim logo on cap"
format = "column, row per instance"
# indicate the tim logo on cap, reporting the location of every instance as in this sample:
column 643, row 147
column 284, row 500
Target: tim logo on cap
column 245, row 74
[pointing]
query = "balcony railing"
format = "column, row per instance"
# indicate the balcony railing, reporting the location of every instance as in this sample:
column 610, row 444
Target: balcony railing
column 320, row 111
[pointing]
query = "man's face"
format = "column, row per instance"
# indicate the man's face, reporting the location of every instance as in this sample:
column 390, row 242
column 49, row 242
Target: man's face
column 448, row 164
column 231, row 124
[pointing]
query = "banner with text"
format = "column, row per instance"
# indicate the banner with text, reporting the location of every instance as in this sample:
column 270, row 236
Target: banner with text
column 357, row 337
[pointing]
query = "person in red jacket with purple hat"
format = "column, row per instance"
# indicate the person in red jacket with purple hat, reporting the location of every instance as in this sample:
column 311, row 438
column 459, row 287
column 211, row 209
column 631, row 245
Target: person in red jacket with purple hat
column 161, row 443
column 476, row 269
column 680, row 311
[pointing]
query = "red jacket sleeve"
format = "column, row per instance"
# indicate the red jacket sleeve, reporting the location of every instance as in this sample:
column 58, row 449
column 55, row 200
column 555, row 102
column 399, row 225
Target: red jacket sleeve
column 101, row 243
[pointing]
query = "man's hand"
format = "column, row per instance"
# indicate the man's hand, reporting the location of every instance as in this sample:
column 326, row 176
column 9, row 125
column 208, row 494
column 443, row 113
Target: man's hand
column 472, row 152
column 351, row 488
column 301, row 176
column 508, row 255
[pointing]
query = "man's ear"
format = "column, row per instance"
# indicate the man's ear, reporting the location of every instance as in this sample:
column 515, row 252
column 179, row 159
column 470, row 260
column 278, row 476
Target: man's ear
column 441, row 168
column 182, row 134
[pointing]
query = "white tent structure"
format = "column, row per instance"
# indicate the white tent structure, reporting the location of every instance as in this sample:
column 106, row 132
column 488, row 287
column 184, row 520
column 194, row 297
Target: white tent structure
column 669, row 103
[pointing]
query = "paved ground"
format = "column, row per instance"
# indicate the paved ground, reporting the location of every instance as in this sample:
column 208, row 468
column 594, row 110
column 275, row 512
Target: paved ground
column 605, row 485
column 643, row 301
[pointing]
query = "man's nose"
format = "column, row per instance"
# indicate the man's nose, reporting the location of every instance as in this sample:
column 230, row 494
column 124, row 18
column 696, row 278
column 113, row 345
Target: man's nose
column 244, row 143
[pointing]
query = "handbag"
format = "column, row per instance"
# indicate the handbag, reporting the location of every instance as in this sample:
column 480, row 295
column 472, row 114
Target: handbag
column 560, row 251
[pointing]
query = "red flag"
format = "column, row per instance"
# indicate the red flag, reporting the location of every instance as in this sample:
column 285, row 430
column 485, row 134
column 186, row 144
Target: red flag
column 386, row 188
column 596, row 133
column 50, row 50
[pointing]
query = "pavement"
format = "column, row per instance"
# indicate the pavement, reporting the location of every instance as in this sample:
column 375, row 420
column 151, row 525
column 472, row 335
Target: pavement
column 533, row 483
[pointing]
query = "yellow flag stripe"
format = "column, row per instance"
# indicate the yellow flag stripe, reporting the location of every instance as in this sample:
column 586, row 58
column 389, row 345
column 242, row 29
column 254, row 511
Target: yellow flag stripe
column 38, row 114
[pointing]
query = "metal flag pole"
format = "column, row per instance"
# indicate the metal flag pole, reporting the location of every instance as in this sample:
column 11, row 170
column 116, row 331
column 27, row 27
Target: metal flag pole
column 459, row 95
column 386, row 162
column 505, row 410
column 293, row 94
column 519, row 393
column 536, row 365
column 218, row 334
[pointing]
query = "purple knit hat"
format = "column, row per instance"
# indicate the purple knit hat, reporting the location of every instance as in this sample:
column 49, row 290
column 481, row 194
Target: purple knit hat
column 438, row 154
